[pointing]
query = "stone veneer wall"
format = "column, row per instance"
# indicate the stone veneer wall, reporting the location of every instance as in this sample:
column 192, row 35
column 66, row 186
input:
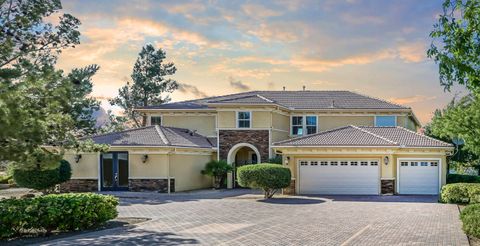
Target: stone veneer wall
column 79, row 185
column 160, row 185
column 229, row 138
column 388, row 186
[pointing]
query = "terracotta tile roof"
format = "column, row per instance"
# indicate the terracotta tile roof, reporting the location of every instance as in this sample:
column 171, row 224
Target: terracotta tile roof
column 154, row 136
column 290, row 99
column 365, row 136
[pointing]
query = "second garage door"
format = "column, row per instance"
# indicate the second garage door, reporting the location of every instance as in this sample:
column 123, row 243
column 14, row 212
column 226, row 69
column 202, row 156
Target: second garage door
column 339, row 176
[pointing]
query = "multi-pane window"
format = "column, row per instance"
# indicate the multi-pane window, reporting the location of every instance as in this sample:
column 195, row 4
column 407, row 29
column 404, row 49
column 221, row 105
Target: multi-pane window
column 344, row 163
column 324, row 163
column 385, row 121
column 334, row 163
column 354, row 163
column 374, row 163
column 314, row 163
column 244, row 119
column 304, row 163
column 404, row 163
column 414, row 164
column 424, row 164
column 364, row 163
column 155, row 120
column 433, row 163
column 297, row 125
column 304, row 125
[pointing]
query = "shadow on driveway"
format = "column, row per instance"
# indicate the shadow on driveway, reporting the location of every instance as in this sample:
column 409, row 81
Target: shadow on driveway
column 292, row 201
column 373, row 198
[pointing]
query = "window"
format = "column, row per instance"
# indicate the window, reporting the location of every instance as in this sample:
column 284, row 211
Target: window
column 334, row 163
column 324, row 163
column 344, row 163
column 404, row 164
column 243, row 119
column 304, row 163
column 424, row 164
column 364, row 163
column 433, row 163
column 374, row 163
column 414, row 164
column 304, row 124
column 155, row 120
column 297, row 125
column 354, row 163
column 385, row 121
column 314, row 163
column 311, row 124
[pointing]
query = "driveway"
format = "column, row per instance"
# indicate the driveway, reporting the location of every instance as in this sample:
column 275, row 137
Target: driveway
column 238, row 218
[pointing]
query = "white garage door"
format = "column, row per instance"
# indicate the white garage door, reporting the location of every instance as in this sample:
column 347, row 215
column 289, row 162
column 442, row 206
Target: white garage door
column 418, row 177
column 342, row 177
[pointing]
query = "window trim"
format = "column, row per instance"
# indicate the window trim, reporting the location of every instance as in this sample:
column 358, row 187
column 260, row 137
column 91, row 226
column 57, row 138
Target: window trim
column 237, row 119
column 375, row 119
column 150, row 119
column 304, row 124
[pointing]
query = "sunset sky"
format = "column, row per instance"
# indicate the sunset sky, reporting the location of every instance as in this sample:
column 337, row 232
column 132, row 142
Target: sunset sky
column 219, row 47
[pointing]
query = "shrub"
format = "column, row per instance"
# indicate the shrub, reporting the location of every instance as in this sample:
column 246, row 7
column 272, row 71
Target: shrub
column 43, row 179
column 62, row 212
column 470, row 217
column 218, row 170
column 463, row 193
column 461, row 178
column 5, row 178
column 268, row 177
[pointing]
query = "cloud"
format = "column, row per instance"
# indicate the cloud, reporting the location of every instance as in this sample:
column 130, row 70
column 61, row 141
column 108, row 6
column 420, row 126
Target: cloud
column 238, row 84
column 259, row 11
column 191, row 89
column 412, row 52
column 411, row 99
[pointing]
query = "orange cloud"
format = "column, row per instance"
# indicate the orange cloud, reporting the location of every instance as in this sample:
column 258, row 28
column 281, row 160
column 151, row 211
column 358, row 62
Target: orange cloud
column 412, row 52
column 411, row 99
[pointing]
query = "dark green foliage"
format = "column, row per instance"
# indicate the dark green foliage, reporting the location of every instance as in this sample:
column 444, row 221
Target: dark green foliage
column 64, row 212
column 5, row 178
column 461, row 193
column 470, row 217
column 268, row 177
column 275, row 160
column 218, row 170
column 460, row 178
column 43, row 179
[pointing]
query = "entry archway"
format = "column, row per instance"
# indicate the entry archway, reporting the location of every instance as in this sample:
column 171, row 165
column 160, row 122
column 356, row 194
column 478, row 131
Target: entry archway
column 247, row 154
column 232, row 153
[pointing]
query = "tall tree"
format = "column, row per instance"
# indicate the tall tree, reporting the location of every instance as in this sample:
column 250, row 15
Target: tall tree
column 149, row 84
column 39, row 105
column 456, row 44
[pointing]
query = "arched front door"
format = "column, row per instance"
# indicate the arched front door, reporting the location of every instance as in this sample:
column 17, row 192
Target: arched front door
column 242, row 154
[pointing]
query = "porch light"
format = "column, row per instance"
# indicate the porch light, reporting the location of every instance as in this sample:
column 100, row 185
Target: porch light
column 144, row 158
column 287, row 160
column 77, row 158
column 385, row 160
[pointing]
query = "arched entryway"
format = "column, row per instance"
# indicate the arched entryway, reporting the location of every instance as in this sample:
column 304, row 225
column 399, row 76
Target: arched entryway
column 242, row 154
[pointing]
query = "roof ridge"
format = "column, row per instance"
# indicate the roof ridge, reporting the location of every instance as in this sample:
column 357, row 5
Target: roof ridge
column 423, row 135
column 264, row 98
column 382, row 100
column 242, row 97
column 162, row 134
column 375, row 135
column 312, row 135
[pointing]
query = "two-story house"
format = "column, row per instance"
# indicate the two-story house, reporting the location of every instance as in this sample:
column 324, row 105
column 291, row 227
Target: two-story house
column 334, row 142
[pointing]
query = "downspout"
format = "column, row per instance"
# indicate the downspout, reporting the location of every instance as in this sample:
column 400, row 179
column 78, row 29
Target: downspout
column 168, row 171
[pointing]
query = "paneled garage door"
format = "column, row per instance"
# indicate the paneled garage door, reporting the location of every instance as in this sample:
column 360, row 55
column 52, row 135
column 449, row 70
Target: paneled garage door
column 343, row 177
column 418, row 177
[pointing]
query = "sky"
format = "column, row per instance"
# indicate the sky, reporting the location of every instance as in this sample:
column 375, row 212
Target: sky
column 376, row 48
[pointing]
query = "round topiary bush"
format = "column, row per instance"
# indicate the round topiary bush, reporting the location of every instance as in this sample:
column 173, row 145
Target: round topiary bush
column 461, row 193
column 43, row 179
column 470, row 217
column 268, row 177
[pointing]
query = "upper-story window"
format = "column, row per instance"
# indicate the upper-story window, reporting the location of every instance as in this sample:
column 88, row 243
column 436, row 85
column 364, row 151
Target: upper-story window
column 155, row 120
column 304, row 124
column 244, row 119
column 385, row 121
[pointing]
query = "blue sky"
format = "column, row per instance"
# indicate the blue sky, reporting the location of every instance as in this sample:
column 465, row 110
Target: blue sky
column 219, row 47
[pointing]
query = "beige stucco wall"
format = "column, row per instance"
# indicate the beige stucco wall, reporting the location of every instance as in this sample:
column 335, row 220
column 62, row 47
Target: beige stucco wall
column 156, row 166
column 186, row 170
column 261, row 119
column 279, row 135
column 205, row 125
column 226, row 119
column 331, row 122
column 280, row 121
column 87, row 167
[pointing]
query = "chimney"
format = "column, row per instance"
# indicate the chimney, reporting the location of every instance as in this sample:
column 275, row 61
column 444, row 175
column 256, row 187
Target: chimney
column 284, row 88
column 303, row 88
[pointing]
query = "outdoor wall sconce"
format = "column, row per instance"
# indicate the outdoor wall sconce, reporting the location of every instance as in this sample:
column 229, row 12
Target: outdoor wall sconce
column 144, row 158
column 287, row 160
column 386, row 160
column 77, row 158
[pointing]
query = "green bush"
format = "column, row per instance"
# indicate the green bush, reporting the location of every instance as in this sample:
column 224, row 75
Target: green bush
column 461, row 178
column 269, row 177
column 62, row 212
column 218, row 170
column 43, row 179
column 470, row 217
column 461, row 193
column 4, row 179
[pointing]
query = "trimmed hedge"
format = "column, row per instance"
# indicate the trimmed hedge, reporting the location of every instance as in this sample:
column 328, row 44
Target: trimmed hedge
column 470, row 217
column 461, row 178
column 461, row 193
column 269, row 177
column 43, row 179
column 64, row 212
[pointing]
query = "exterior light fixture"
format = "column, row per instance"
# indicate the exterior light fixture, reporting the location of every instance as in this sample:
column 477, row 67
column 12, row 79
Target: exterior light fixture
column 386, row 160
column 77, row 158
column 144, row 158
column 287, row 160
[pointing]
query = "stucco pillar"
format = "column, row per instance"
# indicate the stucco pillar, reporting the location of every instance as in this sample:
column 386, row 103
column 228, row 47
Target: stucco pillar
column 229, row 180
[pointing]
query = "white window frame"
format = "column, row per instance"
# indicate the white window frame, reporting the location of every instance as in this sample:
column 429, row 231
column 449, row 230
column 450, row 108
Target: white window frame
column 304, row 124
column 150, row 119
column 237, row 119
column 375, row 119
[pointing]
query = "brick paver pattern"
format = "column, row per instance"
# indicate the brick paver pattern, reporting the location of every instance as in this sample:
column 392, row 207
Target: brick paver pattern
column 234, row 218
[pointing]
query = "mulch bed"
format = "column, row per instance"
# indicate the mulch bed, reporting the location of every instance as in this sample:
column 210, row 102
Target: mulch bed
column 38, row 237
